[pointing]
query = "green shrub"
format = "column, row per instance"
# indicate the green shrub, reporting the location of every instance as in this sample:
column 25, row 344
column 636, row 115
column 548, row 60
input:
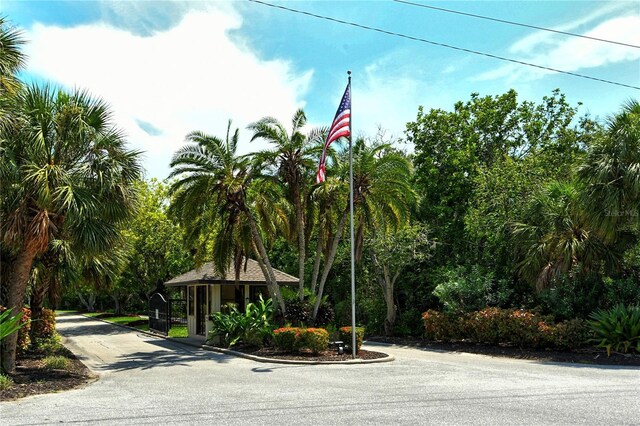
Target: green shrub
column 344, row 334
column 48, row 346
column 572, row 296
column 56, row 362
column 5, row 382
column 464, row 290
column 9, row 323
column 408, row 323
column 617, row 329
column 570, row 334
column 232, row 326
column 285, row 338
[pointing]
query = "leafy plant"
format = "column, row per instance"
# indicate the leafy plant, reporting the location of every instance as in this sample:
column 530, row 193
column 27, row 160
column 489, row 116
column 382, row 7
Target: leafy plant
column 295, row 339
column 5, row 382
column 252, row 326
column 56, row 362
column 9, row 324
column 617, row 329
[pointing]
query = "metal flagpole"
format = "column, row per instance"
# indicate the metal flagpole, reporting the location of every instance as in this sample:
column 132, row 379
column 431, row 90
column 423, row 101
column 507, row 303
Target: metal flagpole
column 353, row 269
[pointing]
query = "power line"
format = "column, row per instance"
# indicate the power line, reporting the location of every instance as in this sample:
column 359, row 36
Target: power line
column 448, row 46
column 442, row 9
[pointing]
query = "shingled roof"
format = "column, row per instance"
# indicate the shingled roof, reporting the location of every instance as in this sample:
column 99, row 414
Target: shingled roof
column 251, row 275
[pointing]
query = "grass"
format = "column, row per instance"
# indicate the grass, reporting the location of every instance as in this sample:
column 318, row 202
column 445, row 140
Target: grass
column 65, row 311
column 56, row 362
column 5, row 382
column 179, row 332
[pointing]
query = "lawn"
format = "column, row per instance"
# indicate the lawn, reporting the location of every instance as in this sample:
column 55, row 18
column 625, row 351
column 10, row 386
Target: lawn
column 179, row 331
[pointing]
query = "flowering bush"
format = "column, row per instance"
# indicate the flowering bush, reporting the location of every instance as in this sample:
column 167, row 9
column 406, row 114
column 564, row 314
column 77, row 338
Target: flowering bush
column 505, row 326
column 344, row 334
column 45, row 328
column 292, row 339
column 315, row 339
column 441, row 326
column 285, row 338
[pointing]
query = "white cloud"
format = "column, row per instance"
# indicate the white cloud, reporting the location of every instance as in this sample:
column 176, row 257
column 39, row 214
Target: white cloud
column 572, row 53
column 188, row 77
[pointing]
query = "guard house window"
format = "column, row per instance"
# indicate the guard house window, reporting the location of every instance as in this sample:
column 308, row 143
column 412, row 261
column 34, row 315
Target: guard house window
column 231, row 295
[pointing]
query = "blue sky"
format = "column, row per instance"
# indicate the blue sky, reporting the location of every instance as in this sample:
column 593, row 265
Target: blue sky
column 168, row 68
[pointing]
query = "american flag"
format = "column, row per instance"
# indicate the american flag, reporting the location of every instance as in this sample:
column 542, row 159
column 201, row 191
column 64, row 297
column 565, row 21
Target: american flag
column 339, row 128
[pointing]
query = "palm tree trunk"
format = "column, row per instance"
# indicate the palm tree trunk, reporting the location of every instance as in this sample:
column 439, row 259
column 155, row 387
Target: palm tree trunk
column 329, row 261
column 316, row 264
column 37, row 303
column 301, row 243
column 16, row 289
column 270, row 277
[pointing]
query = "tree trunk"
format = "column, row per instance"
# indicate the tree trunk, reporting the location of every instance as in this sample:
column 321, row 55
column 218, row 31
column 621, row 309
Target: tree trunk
column 329, row 262
column 89, row 302
column 270, row 277
column 302, row 255
column 391, row 309
column 37, row 303
column 316, row 264
column 117, row 306
column 16, row 288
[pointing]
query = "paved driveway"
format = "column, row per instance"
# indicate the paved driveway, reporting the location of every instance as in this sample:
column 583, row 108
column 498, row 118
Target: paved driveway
column 147, row 380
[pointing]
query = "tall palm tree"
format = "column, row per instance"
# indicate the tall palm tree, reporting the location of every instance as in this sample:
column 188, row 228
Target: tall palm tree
column 70, row 177
column 212, row 199
column 290, row 162
column 382, row 196
column 611, row 174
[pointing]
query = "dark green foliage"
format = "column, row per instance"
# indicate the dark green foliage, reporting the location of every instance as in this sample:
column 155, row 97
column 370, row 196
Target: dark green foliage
column 325, row 315
column 408, row 323
column 572, row 297
column 617, row 329
column 468, row 289
column 299, row 312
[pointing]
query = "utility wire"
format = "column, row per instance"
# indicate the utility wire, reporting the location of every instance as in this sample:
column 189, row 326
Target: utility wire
column 442, row 9
column 448, row 46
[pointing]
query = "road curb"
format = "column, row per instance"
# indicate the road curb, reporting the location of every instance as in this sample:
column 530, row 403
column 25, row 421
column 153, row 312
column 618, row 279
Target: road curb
column 388, row 357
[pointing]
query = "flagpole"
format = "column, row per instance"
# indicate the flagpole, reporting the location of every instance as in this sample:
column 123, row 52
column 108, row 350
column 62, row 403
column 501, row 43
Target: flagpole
column 353, row 269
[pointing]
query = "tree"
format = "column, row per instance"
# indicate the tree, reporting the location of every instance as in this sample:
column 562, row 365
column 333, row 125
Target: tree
column 391, row 253
column 12, row 59
column 213, row 199
column 154, row 249
column 290, row 162
column 611, row 175
column 382, row 196
column 460, row 155
column 71, row 178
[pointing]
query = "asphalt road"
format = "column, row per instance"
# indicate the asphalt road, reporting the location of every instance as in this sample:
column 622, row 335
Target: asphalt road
column 148, row 380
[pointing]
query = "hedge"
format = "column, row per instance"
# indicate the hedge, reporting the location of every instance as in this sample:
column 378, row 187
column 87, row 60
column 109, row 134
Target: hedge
column 495, row 326
column 296, row 339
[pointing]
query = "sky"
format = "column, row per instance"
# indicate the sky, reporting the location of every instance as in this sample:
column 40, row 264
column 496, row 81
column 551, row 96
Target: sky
column 169, row 68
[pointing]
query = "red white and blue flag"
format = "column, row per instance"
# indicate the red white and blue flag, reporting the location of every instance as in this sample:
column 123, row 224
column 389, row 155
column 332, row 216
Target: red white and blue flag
column 341, row 127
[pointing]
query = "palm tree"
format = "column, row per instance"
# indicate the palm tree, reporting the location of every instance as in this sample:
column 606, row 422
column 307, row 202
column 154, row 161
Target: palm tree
column 70, row 177
column 213, row 200
column 291, row 161
column 382, row 197
column 12, row 59
column 611, row 174
column 557, row 238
